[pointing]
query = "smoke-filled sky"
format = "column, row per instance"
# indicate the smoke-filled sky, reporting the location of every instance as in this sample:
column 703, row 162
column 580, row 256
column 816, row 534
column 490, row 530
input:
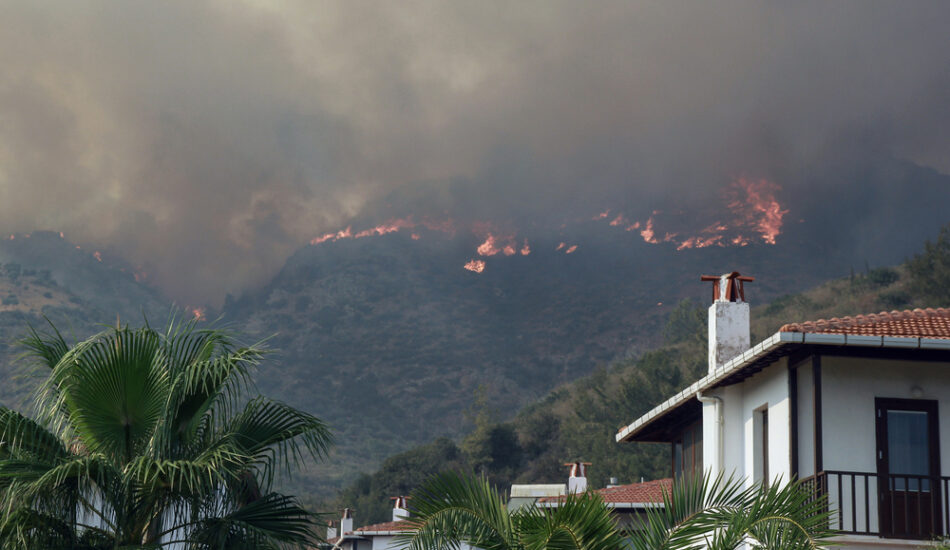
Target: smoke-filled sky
column 209, row 139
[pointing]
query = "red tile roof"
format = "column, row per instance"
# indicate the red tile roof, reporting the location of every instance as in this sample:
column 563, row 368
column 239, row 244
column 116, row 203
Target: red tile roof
column 921, row 323
column 647, row 492
column 388, row 526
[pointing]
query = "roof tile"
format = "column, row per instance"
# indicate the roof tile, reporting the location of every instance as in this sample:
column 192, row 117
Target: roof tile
column 634, row 493
column 916, row 323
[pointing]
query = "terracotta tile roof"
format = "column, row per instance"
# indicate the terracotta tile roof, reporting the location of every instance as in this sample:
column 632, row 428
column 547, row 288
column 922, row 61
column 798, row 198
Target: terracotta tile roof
column 921, row 323
column 385, row 527
column 647, row 492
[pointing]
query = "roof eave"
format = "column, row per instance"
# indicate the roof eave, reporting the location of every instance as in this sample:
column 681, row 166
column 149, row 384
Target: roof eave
column 772, row 346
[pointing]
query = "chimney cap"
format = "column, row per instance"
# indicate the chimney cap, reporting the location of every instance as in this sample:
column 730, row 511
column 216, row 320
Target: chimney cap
column 728, row 287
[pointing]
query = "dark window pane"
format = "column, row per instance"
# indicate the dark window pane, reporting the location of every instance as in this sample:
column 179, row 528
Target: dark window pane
column 908, row 449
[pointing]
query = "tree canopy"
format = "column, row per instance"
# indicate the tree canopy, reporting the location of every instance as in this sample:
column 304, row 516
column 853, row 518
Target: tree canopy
column 143, row 438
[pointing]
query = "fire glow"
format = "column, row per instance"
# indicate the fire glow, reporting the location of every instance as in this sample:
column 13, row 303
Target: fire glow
column 392, row 226
column 756, row 215
column 476, row 266
column 753, row 214
column 505, row 245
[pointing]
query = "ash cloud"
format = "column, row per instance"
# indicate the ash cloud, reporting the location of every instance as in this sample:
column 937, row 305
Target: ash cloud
column 208, row 140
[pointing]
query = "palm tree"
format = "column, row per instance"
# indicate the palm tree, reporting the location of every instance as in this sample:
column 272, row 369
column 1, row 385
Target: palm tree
column 451, row 510
column 148, row 439
column 721, row 514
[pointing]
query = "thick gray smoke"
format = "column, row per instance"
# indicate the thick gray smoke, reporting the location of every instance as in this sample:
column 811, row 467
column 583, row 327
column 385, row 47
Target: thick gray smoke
column 207, row 140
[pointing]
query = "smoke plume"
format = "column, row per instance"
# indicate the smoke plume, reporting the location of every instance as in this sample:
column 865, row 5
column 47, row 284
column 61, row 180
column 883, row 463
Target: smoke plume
column 207, row 140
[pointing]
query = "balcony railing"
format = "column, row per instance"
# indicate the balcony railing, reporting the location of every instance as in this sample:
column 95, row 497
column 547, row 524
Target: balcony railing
column 898, row 506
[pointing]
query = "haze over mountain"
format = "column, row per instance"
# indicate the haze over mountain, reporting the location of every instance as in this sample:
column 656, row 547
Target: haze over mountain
column 207, row 141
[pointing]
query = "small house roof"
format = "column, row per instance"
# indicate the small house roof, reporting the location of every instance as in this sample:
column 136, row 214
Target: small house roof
column 633, row 495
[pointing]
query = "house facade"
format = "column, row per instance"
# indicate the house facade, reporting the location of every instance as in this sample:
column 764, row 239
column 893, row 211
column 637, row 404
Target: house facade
column 858, row 406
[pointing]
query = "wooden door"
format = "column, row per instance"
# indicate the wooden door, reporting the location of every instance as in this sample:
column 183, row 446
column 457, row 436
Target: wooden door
column 908, row 468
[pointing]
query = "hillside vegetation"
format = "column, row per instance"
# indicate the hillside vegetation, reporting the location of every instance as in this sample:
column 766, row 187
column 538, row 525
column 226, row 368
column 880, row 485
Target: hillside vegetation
column 578, row 420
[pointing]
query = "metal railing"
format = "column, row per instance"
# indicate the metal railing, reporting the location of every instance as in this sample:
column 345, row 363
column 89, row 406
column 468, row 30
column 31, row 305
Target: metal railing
column 899, row 506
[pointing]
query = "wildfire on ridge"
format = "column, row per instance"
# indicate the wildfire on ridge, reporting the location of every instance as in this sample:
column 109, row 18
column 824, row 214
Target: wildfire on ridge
column 602, row 215
column 198, row 313
column 571, row 249
column 97, row 256
column 759, row 209
column 560, row 246
column 525, row 249
column 140, row 275
column 476, row 266
column 391, row 226
column 495, row 245
column 754, row 209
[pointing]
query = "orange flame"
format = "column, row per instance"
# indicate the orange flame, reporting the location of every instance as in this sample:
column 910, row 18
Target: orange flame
column 619, row 220
column 97, row 255
column 602, row 215
column 199, row 313
column 560, row 246
column 476, row 266
column 416, row 237
column 140, row 275
column 391, row 226
column 525, row 249
column 61, row 236
column 12, row 236
column 647, row 232
column 571, row 249
column 759, row 209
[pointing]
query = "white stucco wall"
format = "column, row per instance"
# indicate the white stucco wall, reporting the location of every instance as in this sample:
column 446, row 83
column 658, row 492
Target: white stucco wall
column 769, row 389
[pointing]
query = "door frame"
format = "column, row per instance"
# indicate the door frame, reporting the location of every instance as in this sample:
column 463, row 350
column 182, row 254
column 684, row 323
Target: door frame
column 930, row 406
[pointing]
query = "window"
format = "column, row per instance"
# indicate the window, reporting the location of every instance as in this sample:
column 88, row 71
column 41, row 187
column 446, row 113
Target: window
column 760, row 444
column 688, row 451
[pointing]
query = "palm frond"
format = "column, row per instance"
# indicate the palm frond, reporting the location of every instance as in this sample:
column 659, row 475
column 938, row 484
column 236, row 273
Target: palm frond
column 450, row 509
column 268, row 430
column 580, row 522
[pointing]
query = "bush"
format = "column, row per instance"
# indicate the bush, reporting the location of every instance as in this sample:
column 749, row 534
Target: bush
column 882, row 277
column 894, row 299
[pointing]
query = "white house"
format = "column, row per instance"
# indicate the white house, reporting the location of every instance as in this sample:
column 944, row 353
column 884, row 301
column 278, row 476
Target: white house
column 628, row 503
column 379, row 536
column 859, row 405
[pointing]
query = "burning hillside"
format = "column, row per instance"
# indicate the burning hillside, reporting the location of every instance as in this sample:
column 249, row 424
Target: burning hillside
column 750, row 213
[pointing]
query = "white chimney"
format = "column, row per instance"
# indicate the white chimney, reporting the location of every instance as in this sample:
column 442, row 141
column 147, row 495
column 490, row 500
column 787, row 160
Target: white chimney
column 577, row 483
column 400, row 508
column 331, row 530
column 346, row 523
column 728, row 318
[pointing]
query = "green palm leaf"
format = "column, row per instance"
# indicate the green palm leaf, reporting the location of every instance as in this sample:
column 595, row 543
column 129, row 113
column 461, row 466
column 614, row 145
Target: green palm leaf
column 144, row 438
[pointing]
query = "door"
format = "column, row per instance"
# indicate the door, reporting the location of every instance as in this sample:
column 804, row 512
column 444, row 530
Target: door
column 908, row 468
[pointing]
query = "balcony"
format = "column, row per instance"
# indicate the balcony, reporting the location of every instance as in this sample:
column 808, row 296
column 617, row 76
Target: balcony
column 891, row 506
